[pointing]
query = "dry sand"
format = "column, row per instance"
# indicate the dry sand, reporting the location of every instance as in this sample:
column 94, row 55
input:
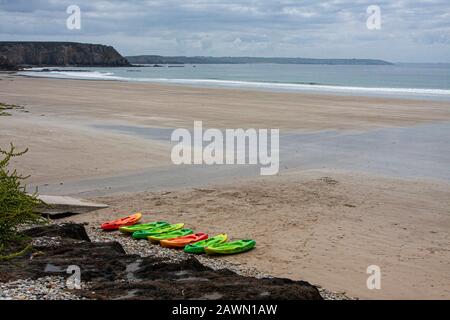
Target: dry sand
column 325, row 227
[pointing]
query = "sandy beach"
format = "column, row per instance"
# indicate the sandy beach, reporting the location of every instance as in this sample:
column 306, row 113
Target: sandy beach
column 320, row 222
column 62, row 115
column 326, row 227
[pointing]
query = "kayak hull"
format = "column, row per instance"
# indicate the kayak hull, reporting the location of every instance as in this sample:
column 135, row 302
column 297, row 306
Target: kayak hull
column 144, row 234
column 181, row 242
column 231, row 247
column 170, row 235
column 199, row 247
column 143, row 226
column 126, row 221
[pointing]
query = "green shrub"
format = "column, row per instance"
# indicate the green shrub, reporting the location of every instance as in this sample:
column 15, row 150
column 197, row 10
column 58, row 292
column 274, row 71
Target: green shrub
column 16, row 206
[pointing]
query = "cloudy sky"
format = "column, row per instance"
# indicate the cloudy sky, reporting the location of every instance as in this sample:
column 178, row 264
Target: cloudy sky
column 411, row 31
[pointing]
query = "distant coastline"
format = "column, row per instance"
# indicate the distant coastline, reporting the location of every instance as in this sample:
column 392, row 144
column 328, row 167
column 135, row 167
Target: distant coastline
column 17, row 54
column 156, row 59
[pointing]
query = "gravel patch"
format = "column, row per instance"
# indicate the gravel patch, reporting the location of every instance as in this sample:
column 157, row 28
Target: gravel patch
column 46, row 242
column 329, row 295
column 144, row 248
column 46, row 288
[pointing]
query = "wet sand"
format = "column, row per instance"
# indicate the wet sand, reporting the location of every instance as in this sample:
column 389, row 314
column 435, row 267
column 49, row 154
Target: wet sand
column 64, row 115
column 370, row 206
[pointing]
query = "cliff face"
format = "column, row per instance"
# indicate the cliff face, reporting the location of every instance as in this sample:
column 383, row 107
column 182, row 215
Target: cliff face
column 5, row 64
column 61, row 54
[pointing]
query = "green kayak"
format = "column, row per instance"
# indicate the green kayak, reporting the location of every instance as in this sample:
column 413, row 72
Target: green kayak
column 143, row 234
column 143, row 226
column 230, row 247
column 170, row 235
column 199, row 247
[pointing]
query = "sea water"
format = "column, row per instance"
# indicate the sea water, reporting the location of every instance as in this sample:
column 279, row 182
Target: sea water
column 398, row 80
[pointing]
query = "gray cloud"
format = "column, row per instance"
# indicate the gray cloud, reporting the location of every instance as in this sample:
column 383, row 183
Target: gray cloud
column 411, row 30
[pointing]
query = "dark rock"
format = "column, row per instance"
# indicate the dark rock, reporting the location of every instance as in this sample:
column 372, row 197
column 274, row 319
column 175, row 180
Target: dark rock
column 6, row 65
column 61, row 54
column 181, row 281
column 68, row 230
column 113, row 274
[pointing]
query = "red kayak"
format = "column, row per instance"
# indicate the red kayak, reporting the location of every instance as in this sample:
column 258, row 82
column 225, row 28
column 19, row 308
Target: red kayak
column 127, row 221
column 181, row 242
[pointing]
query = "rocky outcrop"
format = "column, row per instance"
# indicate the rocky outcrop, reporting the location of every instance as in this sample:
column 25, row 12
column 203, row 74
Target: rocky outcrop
column 39, row 54
column 71, row 231
column 113, row 274
column 6, row 65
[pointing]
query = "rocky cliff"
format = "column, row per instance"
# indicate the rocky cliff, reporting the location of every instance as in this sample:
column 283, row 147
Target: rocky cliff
column 60, row 54
column 5, row 64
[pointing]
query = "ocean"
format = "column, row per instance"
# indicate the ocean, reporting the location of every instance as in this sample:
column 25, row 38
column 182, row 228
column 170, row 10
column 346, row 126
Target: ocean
column 399, row 80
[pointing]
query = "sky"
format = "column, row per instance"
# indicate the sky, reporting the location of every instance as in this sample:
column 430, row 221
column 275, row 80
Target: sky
column 411, row 31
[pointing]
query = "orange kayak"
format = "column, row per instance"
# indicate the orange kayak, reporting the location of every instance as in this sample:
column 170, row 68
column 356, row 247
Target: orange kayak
column 127, row 221
column 181, row 242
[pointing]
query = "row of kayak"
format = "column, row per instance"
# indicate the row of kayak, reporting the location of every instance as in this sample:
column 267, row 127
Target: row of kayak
column 176, row 236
